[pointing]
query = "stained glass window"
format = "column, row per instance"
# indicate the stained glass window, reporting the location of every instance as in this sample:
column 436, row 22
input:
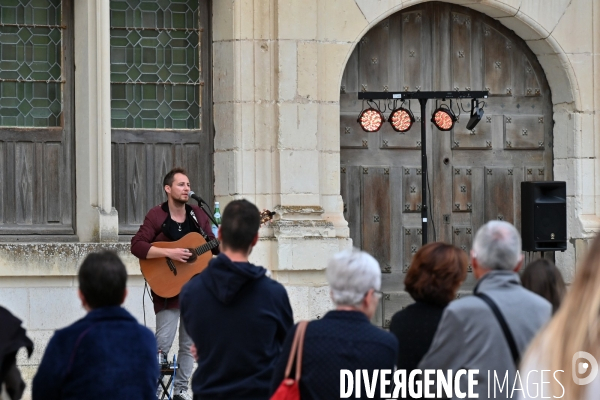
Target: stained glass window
column 30, row 63
column 154, row 64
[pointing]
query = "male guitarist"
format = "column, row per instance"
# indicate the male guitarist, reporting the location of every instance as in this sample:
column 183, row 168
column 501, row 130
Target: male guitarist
column 171, row 221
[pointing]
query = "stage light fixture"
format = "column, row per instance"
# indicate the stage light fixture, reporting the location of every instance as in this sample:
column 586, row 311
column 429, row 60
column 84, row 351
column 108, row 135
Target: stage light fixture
column 371, row 120
column 476, row 114
column 401, row 119
column 443, row 118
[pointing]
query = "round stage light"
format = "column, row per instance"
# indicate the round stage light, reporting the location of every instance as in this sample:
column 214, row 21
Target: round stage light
column 371, row 120
column 401, row 119
column 443, row 118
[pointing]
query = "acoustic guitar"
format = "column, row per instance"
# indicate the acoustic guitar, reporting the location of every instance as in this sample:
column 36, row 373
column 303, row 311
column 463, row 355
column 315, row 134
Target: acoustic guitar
column 166, row 277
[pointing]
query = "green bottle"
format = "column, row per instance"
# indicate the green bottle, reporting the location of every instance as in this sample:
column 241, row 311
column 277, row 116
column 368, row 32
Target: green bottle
column 217, row 217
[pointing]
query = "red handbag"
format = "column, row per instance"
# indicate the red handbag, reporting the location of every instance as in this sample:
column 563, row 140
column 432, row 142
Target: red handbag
column 289, row 388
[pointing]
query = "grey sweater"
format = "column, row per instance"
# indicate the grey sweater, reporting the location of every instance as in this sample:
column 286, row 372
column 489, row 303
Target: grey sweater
column 470, row 337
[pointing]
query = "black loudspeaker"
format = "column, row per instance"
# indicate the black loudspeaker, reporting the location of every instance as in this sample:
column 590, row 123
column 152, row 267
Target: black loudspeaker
column 544, row 216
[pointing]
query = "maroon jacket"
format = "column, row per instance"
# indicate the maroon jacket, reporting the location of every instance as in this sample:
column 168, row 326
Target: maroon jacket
column 152, row 231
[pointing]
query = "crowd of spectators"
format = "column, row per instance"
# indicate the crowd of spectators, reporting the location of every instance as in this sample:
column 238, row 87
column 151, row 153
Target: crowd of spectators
column 241, row 323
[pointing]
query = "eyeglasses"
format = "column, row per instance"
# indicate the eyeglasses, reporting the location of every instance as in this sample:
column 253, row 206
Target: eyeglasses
column 378, row 293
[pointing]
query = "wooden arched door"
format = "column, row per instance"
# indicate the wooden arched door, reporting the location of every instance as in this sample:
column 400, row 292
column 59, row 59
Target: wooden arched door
column 474, row 176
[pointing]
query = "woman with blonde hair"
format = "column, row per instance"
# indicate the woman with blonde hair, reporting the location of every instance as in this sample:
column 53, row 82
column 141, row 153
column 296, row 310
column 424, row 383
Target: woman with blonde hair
column 574, row 329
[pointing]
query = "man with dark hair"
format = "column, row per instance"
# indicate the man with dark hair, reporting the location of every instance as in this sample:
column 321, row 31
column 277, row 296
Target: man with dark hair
column 237, row 316
column 170, row 221
column 105, row 355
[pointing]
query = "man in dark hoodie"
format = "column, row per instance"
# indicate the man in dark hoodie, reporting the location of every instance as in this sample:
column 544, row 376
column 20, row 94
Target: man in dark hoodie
column 236, row 316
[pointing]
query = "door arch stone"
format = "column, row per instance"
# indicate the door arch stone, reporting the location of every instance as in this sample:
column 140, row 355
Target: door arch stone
column 474, row 176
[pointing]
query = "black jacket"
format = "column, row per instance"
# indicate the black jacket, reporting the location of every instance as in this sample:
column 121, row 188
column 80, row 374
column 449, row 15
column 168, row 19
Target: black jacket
column 415, row 327
column 238, row 319
column 340, row 340
column 12, row 338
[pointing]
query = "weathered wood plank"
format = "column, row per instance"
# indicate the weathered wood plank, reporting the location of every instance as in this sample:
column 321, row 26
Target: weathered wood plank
column 412, row 189
column 376, row 214
column 461, row 51
column 136, row 182
column 10, row 204
column 499, row 188
column 354, row 201
column 498, row 62
column 462, row 189
column 52, row 187
column 24, row 179
column 162, row 164
column 412, row 50
column 39, row 212
column 350, row 77
column 192, row 166
column 373, row 62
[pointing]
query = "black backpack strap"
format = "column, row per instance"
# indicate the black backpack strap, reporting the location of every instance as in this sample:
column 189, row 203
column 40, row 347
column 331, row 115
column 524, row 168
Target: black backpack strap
column 507, row 334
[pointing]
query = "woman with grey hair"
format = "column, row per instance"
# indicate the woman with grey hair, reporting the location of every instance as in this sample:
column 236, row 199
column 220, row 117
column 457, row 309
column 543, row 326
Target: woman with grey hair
column 344, row 339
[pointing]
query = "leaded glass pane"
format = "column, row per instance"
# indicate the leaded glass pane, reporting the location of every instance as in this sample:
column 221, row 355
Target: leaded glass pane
column 30, row 63
column 30, row 12
column 155, row 64
column 155, row 106
column 154, row 56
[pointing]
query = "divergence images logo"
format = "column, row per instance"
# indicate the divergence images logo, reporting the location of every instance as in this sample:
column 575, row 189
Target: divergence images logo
column 579, row 368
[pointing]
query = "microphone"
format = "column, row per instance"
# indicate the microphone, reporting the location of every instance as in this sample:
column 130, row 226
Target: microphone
column 196, row 197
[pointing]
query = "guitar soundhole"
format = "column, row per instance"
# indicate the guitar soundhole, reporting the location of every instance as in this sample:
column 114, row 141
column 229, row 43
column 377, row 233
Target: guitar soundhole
column 193, row 257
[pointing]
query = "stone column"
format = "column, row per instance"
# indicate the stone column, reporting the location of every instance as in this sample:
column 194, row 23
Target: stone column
column 276, row 88
column 96, row 218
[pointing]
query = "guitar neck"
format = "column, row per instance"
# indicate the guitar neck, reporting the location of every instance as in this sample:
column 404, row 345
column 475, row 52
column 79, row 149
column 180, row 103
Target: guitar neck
column 206, row 247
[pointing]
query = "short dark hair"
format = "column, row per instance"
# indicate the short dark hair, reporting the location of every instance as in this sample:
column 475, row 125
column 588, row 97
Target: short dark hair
column 239, row 225
column 102, row 279
column 436, row 272
column 170, row 176
column 542, row 277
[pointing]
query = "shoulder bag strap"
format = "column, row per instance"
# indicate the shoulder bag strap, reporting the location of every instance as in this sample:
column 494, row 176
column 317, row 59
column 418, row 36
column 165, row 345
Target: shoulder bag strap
column 302, row 327
column 296, row 351
column 507, row 334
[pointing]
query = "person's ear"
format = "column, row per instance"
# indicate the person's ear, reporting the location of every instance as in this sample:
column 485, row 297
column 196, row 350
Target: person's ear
column 368, row 299
column 219, row 236
column 477, row 270
column 167, row 189
column 255, row 240
column 519, row 264
column 369, row 303
column 84, row 302
column 474, row 263
column 125, row 293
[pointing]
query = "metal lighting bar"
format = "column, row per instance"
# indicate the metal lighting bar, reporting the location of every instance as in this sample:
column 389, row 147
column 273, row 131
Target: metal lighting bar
column 423, row 97
column 456, row 94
